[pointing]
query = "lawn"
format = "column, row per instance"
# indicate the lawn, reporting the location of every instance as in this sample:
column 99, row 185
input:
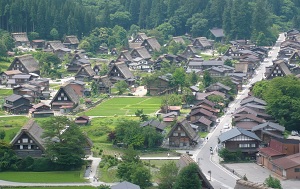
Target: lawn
column 43, row 177
column 55, row 187
column 5, row 63
column 125, row 106
column 11, row 125
column 5, row 92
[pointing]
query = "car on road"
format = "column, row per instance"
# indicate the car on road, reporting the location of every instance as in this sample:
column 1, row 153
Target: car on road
column 226, row 126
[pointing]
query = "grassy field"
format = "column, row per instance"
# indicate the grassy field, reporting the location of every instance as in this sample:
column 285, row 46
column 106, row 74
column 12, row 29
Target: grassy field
column 5, row 63
column 52, row 187
column 11, row 125
column 125, row 106
column 43, row 177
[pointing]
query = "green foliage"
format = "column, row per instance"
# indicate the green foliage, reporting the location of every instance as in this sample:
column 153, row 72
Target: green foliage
column 94, row 88
column 8, row 157
column 141, row 115
column 2, row 135
column 121, row 86
column 130, row 133
column 207, row 79
column 49, row 64
column 131, row 169
column 166, row 29
column 273, row 182
column 103, row 186
column 188, row 178
column 282, row 96
column 171, row 100
column 230, row 156
column 167, row 175
column 179, row 78
column 54, row 34
column 64, row 142
column 33, row 36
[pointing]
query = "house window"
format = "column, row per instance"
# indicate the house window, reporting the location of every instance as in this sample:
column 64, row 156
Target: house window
column 19, row 141
column 21, row 147
column 182, row 134
column 279, row 71
column 25, row 140
column 178, row 128
column 65, row 98
column 253, row 145
column 62, row 94
column 59, row 98
column 31, row 141
column 244, row 145
column 29, row 147
column 25, row 147
column 175, row 134
column 297, row 169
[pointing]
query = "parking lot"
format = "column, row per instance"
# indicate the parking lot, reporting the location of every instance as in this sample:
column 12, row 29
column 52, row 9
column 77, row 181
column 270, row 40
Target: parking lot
column 258, row 174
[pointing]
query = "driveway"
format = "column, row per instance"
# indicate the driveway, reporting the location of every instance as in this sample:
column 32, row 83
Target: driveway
column 258, row 174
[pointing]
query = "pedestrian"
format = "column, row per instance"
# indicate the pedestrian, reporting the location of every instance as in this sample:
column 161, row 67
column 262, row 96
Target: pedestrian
column 206, row 138
column 233, row 171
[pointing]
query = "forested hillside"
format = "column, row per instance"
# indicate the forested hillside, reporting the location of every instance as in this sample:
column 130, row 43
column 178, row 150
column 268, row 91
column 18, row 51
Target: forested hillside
column 256, row 19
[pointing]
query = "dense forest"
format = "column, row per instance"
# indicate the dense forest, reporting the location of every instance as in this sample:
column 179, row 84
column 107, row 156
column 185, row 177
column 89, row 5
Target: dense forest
column 259, row 20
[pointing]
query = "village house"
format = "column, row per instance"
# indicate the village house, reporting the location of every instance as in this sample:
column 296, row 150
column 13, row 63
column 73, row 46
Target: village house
column 103, row 83
column 218, row 34
column 40, row 110
column 102, row 50
column 246, row 121
column 58, row 48
column 203, row 124
column 253, row 100
column 160, row 86
column 65, row 100
column 125, row 56
column 37, row 44
column 218, row 87
column 151, row 44
column 85, row 73
column 16, row 104
column 196, row 114
column 119, row 71
column 6, row 75
column 113, row 52
column 28, row 141
column 20, row 39
column 246, row 110
column 140, row 52
column 18, row 79
column 278, row 157
column 71, row 42
column 158, row 125
column 26, row 64
column 182, row 135
column 201, row 96
column 77, row 61
column 189, row 52
column 202, row 43
column 278, row 70
column 82, row 120
column 294, row 58
column 287, row 167
column 77, row 86
column 168, row 118
column 137, row 41
column 240, row 139
column 268, row 130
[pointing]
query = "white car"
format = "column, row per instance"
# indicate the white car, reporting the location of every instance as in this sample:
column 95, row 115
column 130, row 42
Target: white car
column 226, row 126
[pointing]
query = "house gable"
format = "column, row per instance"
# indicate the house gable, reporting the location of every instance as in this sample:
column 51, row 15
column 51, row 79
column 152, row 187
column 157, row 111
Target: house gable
column 241, row 138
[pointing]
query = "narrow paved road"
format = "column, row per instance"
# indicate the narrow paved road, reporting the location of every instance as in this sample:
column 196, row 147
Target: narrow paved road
column 220, row 177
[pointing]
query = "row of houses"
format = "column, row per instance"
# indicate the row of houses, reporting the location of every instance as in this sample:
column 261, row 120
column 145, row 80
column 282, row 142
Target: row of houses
column 257, row 135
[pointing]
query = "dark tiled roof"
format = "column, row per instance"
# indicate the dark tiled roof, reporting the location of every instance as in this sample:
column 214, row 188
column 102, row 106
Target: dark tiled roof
column 236, row 132
column 217, row 32
column 202, row 111
column 288, row 141
column 178, row 39
column 13, row 97
column 203, row 120
column 288, row 161
column 253, row 100
column 154, row 123
column 122, row 67
column 269, row 124
column 56, row 45
column 125, row 185
column 142, row 51
column 253, row 117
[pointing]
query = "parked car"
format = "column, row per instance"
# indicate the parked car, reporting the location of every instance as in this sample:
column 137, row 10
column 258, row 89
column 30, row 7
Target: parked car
column 226, row 126
column 294, row 133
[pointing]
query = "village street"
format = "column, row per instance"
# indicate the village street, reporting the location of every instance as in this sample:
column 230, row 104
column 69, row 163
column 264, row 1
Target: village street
column 221, row 177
